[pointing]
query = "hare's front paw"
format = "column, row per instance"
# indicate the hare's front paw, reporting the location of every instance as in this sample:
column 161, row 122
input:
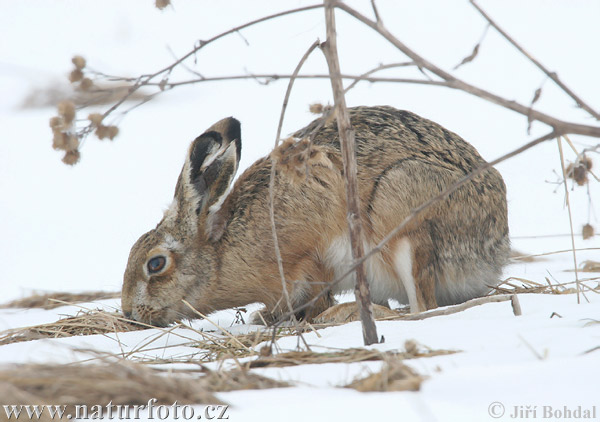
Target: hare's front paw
column 262, row 317
column 348, row 312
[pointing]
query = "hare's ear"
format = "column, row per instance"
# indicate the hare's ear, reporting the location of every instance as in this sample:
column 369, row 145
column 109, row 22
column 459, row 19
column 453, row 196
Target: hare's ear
column 209, row 168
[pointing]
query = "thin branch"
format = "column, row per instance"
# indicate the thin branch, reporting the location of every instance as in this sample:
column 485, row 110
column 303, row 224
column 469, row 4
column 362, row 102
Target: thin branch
column 144, row 79
column 459, row 308
column 346, row 134
column 551, row 75
column 276, row 76
column 374, row 70
column 289, row 88
column 559, row 126
column 286, row 98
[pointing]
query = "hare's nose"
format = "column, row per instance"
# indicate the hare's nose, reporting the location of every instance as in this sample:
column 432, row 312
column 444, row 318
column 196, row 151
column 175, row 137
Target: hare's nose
column 127, row 314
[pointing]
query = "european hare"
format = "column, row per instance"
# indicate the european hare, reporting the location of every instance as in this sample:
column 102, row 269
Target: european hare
column 214, row 246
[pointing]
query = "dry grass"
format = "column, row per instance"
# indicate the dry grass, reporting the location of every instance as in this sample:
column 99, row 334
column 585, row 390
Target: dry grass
column 83, row 324
column 239, row 379
column 122, row 382
column 517, row 285
column 343, row 356
column 55, row 300
column 394, row 376
column 589, row 266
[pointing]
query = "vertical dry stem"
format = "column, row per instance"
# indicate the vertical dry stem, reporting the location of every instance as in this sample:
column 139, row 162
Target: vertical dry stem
column 564, row 172
column 361, row 291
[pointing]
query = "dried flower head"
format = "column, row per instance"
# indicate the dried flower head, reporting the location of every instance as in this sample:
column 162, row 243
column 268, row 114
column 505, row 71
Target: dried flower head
column 103, row 132
column 161, row 4
column 71, row 157
column 75, row 75
column 578, row 171
column 71, row 142
column 316, row 108
column 57, row 122
column 96, row 119
column 86, row 83
column 79, row 62
column 587, row 231
column 59, row 141
column 66, row 109
column 113, row 131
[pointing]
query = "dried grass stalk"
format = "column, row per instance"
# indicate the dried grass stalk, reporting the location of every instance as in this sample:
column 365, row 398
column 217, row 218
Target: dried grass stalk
column 53, row 300
column 84, row 324
column 394, row 376
column 122, row 382
column 342, row 356
column 239, row 379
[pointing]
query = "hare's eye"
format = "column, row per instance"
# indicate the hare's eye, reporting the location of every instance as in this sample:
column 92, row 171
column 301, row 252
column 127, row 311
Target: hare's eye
column 156, row 264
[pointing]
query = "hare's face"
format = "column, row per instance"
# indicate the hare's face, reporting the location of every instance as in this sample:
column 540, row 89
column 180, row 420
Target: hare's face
column 174, row 263
column 161, row 273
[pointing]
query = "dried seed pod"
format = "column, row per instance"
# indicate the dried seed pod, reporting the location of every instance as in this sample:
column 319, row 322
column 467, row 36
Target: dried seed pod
column 57, row 122
column 316, row 108
column 78, row 61
column 76, row 75
column 71, row 142
column 59, row 141
column 101, row 132
column 587, row 231
column 96, row 119
column 161, row 4
column 578, row 171
column 66, row 109
column 112, row 131
column 71, row 157
column 86, row 83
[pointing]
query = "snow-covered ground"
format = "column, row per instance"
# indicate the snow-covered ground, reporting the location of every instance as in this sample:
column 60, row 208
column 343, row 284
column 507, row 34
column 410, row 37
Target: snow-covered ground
column 70, row 229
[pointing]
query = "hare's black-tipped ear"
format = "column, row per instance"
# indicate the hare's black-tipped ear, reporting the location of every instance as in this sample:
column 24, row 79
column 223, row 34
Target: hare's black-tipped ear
column 210, row 168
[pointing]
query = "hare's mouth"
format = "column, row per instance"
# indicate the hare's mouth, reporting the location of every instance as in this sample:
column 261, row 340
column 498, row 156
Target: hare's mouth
column 160, row 317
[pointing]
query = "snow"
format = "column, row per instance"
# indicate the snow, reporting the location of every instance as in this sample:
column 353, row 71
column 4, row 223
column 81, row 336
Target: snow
column 70, row 229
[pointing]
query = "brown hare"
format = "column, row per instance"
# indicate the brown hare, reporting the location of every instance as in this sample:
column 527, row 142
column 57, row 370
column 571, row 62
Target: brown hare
column 214, row 246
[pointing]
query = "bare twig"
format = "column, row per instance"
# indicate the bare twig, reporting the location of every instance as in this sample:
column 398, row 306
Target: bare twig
column 454, row 309
column 451, row 81
column 346, row 133
column 551, row 75
column 376, row 69
column 286, row 295
column 143, row 80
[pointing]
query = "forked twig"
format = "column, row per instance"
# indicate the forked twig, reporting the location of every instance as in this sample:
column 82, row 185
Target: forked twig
column 551, row 75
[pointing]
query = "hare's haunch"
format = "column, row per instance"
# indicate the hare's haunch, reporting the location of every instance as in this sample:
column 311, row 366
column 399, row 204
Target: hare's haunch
column 214, row 246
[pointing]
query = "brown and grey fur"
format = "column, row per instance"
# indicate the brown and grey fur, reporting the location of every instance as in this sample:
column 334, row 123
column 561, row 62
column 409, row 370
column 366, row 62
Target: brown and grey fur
column 219, row 245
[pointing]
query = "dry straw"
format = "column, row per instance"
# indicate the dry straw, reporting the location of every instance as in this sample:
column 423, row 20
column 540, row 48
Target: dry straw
column 394, row 376
column 83, row 324
column 55, row 300
column 120, row 382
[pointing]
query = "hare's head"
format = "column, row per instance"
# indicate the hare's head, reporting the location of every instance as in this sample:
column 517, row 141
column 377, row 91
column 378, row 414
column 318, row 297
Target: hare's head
column 177, row 259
